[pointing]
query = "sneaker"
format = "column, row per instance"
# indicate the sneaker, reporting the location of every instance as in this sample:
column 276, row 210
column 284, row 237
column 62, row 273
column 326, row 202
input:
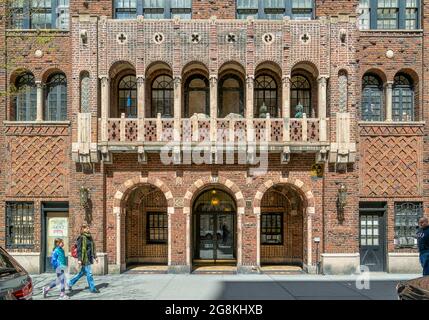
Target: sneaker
column 45, row 291
column 63, row 297
column 95, row 291
column 70, row 288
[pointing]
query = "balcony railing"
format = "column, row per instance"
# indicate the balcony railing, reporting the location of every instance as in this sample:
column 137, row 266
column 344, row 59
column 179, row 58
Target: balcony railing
column 225, row 131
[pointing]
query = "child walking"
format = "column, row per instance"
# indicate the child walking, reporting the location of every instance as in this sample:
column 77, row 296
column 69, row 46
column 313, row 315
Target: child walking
column 58, row 261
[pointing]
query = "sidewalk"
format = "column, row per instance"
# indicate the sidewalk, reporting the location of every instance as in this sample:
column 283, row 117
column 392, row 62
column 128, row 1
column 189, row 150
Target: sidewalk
column 225, row 287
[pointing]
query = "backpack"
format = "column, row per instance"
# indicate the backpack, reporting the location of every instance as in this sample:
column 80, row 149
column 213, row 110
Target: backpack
column 54, row 260
column 74, row 250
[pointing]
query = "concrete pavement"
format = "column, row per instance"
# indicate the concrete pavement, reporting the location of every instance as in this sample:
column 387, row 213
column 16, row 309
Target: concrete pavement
column 229, row 287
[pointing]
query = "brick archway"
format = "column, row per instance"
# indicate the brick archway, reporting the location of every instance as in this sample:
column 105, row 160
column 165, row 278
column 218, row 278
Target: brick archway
column 195, row 190
column 119, row 203
column 309, row 204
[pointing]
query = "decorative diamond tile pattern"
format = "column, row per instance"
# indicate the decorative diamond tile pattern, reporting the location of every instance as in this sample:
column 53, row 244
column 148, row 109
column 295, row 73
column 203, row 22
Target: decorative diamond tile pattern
column 391, row 166
column 222, row 131
column 204, row 131
column 167, row 130
column 260, row 131
column 38, row 166
column 186, row 130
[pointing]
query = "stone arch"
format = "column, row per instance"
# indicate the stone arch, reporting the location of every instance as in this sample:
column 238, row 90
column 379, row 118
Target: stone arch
column 46, row 73
column 308, row 203
column 119, row 200
column 376, row 71
column 307, row 65
column 16, row 73
column 124, row 190
column 195, row 190
column 119, row 64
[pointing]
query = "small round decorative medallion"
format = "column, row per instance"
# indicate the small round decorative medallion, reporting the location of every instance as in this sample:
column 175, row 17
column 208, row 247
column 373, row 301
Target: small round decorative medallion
column 158, row 38
column 121, row 38
column 390, row 54
column 268, row 38
column 38, row 53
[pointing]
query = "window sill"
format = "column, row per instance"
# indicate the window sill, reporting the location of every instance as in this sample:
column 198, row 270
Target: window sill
column 371, row 31
column 35, row 123
column 392, row 123
column 38, row 32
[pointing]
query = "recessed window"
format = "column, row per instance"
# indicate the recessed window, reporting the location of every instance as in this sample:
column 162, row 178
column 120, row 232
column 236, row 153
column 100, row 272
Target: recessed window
column 25, row 98
column 407, row 215
column 197, row 95
column 389, row 14
column 56, row 98
column 153, row 9
column 275, row 9
column 19, row 225
column 231, row 96
column 300, row 96
column 266, row 94
column 157, row 227
column 39, row 14
column 162, row 96
column 272, row 228
column 372, row 98
column 403, row 99
column 127, row 92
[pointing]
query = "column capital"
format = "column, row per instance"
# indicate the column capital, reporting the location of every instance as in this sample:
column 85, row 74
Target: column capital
column 250, row 79
column 323, row 78
column 286, row 79
column 177, row 81
column 38, row 83
column 213, row 79
column 140, row 78
column 389, row 84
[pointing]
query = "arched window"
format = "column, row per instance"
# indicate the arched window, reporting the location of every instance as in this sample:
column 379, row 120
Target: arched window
column 266, row 93
column 231, row 96
column 403, row 99
column 127, row 93
column 372, row 98
column 56, row 98
column 26, row 98
column 300, row 95
column 197, row 95
column 84, row 93
column 162, row 96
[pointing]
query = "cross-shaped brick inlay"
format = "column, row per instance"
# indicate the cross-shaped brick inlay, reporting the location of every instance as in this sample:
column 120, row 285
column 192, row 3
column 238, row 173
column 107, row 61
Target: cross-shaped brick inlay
column 231, row 38
column 305, row 38
column 122, row 38
column 195, row 38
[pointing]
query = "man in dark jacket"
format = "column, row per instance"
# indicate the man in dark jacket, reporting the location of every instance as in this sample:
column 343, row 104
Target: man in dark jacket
column 86, row 257
column 423, row 244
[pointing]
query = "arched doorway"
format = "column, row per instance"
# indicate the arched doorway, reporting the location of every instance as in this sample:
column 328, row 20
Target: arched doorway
column 146, row 225
column 282, row 227
column 214, row 228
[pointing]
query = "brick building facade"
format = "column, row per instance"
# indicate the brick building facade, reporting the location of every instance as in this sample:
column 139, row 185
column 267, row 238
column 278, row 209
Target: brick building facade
column 295, row 135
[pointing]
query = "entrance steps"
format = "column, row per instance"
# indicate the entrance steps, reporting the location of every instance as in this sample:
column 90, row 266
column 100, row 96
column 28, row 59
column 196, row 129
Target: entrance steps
column 147, row 269
column 281, row 270
column 215, row 269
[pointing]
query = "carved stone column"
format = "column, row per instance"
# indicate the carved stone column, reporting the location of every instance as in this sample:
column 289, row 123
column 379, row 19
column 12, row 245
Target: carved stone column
column 389, row 100
column 105, row 105
column 286, row 97
column 140, row 107
column 323, row 87
column 250, row 84
column 213, row 107
column 177, row 107
column 39, row 115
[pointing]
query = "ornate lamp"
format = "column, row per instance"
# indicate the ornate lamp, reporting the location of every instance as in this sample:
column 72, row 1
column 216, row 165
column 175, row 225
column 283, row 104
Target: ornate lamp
column 341, row 201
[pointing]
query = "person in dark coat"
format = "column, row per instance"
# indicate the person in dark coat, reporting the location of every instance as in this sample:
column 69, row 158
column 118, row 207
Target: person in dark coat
column 86, row 257
column 423, row 244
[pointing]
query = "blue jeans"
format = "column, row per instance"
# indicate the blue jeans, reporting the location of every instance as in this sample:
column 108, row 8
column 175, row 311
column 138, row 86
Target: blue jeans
column 424, row 260
column 84, row 270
